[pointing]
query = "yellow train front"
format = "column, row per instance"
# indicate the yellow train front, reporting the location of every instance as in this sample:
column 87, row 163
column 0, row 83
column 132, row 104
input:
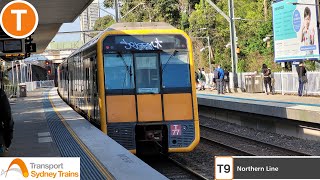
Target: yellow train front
column 136, row 82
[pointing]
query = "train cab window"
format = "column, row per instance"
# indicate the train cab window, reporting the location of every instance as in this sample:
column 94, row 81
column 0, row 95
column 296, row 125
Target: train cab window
column 147, row 73
column 175, row 72
column 119, row 73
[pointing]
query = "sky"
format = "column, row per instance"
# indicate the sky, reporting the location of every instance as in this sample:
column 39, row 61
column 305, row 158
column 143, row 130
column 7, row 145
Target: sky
column 75, row 26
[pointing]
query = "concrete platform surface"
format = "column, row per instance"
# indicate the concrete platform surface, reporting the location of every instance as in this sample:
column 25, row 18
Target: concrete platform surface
column 31, row 137
column 37, row 121
column 306, row 100
column 116, row 159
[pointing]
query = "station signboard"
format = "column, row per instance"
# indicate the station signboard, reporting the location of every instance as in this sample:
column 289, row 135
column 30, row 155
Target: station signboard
column 296, row 35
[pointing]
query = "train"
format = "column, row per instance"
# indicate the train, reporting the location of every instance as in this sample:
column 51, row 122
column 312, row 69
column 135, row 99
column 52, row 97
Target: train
column 134, row 82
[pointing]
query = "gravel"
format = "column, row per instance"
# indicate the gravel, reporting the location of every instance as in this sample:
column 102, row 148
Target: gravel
column 292, row 143
column 201, row 159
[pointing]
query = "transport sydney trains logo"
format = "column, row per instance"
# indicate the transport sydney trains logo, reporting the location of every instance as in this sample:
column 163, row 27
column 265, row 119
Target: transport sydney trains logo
column 22, row 168
column 142, row 46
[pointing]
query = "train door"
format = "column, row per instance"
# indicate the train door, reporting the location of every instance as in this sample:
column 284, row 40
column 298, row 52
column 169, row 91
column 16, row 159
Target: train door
column 87, row 87
column 71, row 89
column 152, row 137
column 96, row 113
column 89, row 92
column 149, row 101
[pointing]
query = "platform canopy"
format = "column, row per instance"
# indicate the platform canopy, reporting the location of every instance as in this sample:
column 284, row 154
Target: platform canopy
column 52, row 14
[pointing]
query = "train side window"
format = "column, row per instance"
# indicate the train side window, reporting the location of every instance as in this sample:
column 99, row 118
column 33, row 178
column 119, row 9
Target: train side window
column 119, row 73
column 175, row 72
column 147, row 73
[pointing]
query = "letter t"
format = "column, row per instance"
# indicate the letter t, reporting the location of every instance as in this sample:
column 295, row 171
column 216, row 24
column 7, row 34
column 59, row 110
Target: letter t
column 19, row 13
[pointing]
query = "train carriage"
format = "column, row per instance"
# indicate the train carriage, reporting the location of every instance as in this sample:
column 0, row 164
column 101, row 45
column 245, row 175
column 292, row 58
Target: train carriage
column 135, row 82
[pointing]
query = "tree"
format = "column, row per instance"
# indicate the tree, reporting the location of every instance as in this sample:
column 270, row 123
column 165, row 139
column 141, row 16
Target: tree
column 108, row 3
column 103, row 23
column 153, row 11
column 194, row 15
column 204, row 16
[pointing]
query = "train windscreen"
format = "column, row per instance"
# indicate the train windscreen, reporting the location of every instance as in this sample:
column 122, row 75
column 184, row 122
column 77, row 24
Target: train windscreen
column 146, row 64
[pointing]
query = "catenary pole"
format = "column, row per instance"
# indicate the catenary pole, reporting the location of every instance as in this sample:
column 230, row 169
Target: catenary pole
column 233, row 44
column 116, row 8
column 233, row 36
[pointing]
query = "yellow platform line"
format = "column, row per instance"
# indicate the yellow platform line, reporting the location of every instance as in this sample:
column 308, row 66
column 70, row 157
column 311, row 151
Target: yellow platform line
column 95, row 161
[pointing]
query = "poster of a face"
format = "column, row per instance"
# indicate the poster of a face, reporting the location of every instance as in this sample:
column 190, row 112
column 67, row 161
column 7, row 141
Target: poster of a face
column 295, row 30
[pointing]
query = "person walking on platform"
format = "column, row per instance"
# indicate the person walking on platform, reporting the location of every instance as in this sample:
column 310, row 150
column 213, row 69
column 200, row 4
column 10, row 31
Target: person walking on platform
column 220, row 80
column 6, row 123
column 267, row 78
column 301, row 70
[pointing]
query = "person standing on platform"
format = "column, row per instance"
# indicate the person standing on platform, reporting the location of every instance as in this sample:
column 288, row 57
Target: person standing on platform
column 202, row 78
column 226, row 81
column 6, row 123
column 197, row 79
column 267, row 78
column 302, row 74
column 220, row 80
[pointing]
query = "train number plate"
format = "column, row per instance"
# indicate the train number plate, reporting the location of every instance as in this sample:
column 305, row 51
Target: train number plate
column 175, row 129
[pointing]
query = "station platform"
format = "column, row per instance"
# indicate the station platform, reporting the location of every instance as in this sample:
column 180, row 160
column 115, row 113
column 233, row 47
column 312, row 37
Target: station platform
column 45, row 126
column 290, row 107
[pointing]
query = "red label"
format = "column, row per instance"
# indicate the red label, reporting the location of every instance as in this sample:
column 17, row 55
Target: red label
column 175, row 130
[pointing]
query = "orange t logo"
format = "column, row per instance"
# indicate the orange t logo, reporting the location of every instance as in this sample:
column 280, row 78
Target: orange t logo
column 19, row 19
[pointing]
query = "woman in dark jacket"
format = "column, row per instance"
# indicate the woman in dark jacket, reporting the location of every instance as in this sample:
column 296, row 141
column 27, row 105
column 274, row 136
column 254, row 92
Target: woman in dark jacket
column 226, row 81
column 267, row 78
column 301, row 70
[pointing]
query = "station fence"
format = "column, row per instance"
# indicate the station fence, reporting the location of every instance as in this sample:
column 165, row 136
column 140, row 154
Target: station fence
column 11, row 90
column 283, row 82
column 14, row 90
column 39, row 84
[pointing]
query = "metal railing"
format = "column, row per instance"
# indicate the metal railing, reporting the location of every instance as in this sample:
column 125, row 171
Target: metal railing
column 288, row 83
column 44, row 84
column 14, row 90
column 11, row 90
column 282, row 82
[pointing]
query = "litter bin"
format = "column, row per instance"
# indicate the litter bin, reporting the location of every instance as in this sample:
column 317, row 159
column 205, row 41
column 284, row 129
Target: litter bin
column 254, row 83
column 23, row 90
column 249, row 83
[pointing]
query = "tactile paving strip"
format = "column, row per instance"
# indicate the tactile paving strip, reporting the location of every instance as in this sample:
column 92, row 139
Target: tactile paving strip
column 67, row 145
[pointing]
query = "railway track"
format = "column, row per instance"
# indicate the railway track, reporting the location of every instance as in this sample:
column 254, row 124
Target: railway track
column 246, row 145
column 172, row 169
column 233, row 150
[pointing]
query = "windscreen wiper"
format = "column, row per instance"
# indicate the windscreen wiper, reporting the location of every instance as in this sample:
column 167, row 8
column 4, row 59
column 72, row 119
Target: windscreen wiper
column 128, row 70
column 173, row 54
column 124, row 62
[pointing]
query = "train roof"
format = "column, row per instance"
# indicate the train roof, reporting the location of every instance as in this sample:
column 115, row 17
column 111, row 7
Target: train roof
column 122, row 27
column 140, row 25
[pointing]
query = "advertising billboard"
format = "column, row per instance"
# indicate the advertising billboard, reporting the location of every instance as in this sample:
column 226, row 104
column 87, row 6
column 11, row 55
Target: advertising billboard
column 296, row 35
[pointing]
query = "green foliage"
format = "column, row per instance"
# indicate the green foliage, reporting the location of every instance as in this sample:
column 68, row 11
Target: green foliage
column 199, row 19
column 184, row 23
column 108, row 3
column 152, row 10
column 103, row 22
column 310, row 65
